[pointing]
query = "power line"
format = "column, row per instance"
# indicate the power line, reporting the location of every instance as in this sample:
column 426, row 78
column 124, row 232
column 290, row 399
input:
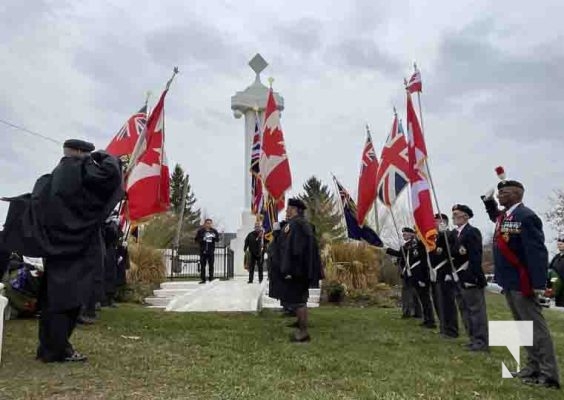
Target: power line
column 21, row 128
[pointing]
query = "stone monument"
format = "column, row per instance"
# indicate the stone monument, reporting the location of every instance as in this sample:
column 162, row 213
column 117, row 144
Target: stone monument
column 248, row 103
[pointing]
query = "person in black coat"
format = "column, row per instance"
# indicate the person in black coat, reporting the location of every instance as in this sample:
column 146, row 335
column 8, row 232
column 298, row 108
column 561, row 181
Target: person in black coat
column 254, row 242
column 444, row 287
column 557, row 265
column 300, row 265
column 4, row 257
column 467, row 257
column 207, row 237
column 521, row 262
column 61, row 221
column 274, row 259
column 111, row 239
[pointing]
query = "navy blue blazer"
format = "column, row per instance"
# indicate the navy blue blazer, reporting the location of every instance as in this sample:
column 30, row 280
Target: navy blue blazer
column 467, row 256
column 522, row 231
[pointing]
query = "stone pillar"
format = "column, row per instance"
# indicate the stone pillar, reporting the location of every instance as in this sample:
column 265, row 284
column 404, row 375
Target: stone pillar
column 246, row 103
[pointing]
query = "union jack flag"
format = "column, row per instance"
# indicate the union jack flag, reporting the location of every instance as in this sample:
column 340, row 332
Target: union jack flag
column 124, row 141
column 393, row 172
column 256, row 181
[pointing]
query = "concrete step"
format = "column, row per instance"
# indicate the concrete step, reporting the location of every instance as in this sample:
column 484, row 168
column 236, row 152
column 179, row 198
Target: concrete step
column 158, row 301
column 181, row 285
column 170, row 293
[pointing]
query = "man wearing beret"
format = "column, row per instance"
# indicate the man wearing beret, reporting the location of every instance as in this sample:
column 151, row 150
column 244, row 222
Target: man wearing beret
column 300, row 265
column 467, row 257
column 413, row 260
column 521, row 261
column 61, row 221
column 444, row 286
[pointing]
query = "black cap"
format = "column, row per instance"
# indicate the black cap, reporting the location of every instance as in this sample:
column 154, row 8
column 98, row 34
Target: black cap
column 464, row 209
column 294, row 202
column 560, row 238
column 407, row 230
column 443, row 217
column 78, row 144
column 504, row 184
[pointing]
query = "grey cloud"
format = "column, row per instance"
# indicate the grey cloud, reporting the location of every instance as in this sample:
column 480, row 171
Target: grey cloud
column 362, row 54
column 196, row 45
column 302, row 36
column 519, row 95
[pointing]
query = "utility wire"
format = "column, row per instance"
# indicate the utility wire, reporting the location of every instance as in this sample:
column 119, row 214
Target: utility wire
column 21, row 128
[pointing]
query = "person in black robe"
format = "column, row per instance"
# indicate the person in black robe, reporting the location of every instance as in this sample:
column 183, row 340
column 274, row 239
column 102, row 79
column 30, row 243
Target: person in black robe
column 273, row 252
column 111, row 238
column 61, row 221
column 300, row 265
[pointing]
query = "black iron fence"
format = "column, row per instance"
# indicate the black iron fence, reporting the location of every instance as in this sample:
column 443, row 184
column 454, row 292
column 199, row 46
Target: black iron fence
column 185, row 264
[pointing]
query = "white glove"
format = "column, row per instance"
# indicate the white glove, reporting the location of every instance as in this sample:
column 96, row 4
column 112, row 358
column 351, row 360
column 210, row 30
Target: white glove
column 489, row 194
column 421, row 284
column 539, row 292
column 448, row 278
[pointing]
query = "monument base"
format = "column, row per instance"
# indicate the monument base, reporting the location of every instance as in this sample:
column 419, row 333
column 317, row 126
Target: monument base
column 237, row 244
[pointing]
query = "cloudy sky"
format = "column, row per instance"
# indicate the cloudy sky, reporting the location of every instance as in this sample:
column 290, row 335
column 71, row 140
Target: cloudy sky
column 492, row 75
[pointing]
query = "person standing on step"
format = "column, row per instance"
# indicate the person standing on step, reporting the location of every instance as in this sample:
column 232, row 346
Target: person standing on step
column 467, row 258
column 255, row 244
column 445, row 286
column 207, row 237
column 300, row 265
column 521, row 261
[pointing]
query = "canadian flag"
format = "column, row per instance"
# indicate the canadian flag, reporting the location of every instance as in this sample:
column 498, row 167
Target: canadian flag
column 148, row 179
column 415, row 84
column 274, row 164
column 419, row 180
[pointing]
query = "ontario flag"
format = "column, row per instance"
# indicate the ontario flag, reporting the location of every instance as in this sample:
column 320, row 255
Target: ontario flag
column 367, row 179
column 418, row 178
column 414, row 84
column 256, row 182
column 124, row 141
column 354, row 230
column 148, row 180
column 393, row 173
column 274, row 165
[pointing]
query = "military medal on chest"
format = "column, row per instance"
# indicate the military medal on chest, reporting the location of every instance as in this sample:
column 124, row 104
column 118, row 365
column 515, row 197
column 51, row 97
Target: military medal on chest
column 462, row 250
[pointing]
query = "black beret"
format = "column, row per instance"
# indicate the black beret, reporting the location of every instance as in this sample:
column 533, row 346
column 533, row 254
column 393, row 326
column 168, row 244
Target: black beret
column 464, row 209
column 407, row 230
column 504, row 184
column 78, row 144
column 560, row 238
column 441, row 216
column 294, row 202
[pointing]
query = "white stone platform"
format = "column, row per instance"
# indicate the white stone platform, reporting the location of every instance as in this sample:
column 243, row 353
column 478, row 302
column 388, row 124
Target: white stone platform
column 234, row 295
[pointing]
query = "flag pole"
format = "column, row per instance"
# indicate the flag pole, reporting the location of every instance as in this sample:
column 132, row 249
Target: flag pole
column 408, row 269
column 341, row 207
column 435, row 197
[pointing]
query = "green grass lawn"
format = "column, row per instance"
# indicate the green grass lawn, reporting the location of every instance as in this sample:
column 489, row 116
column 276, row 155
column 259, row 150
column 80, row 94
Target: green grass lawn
column 355, row 354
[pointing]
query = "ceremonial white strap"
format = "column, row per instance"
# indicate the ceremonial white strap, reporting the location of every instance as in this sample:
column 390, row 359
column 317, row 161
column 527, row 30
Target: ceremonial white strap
column 440, row 265
column 464, row 267
column 414, row 265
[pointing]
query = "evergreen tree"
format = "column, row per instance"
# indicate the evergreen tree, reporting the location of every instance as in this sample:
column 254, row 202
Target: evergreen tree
column 322, row 210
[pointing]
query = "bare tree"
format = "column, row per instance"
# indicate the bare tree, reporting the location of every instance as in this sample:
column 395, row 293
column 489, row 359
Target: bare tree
column 555, row 216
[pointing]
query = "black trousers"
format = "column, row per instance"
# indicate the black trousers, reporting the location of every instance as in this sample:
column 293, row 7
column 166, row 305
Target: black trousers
column 435, row 298
column 448, row 314
column 55, row 330
column 258, row 262
column 206, row 259
column 424, row 295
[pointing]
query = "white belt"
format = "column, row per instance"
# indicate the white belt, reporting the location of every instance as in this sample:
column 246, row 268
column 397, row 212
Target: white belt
column 464, row 267
column 414, row 265
column 440, row 265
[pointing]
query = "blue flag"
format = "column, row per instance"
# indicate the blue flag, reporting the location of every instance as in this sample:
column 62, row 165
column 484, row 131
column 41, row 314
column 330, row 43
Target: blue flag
column 354, row 230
